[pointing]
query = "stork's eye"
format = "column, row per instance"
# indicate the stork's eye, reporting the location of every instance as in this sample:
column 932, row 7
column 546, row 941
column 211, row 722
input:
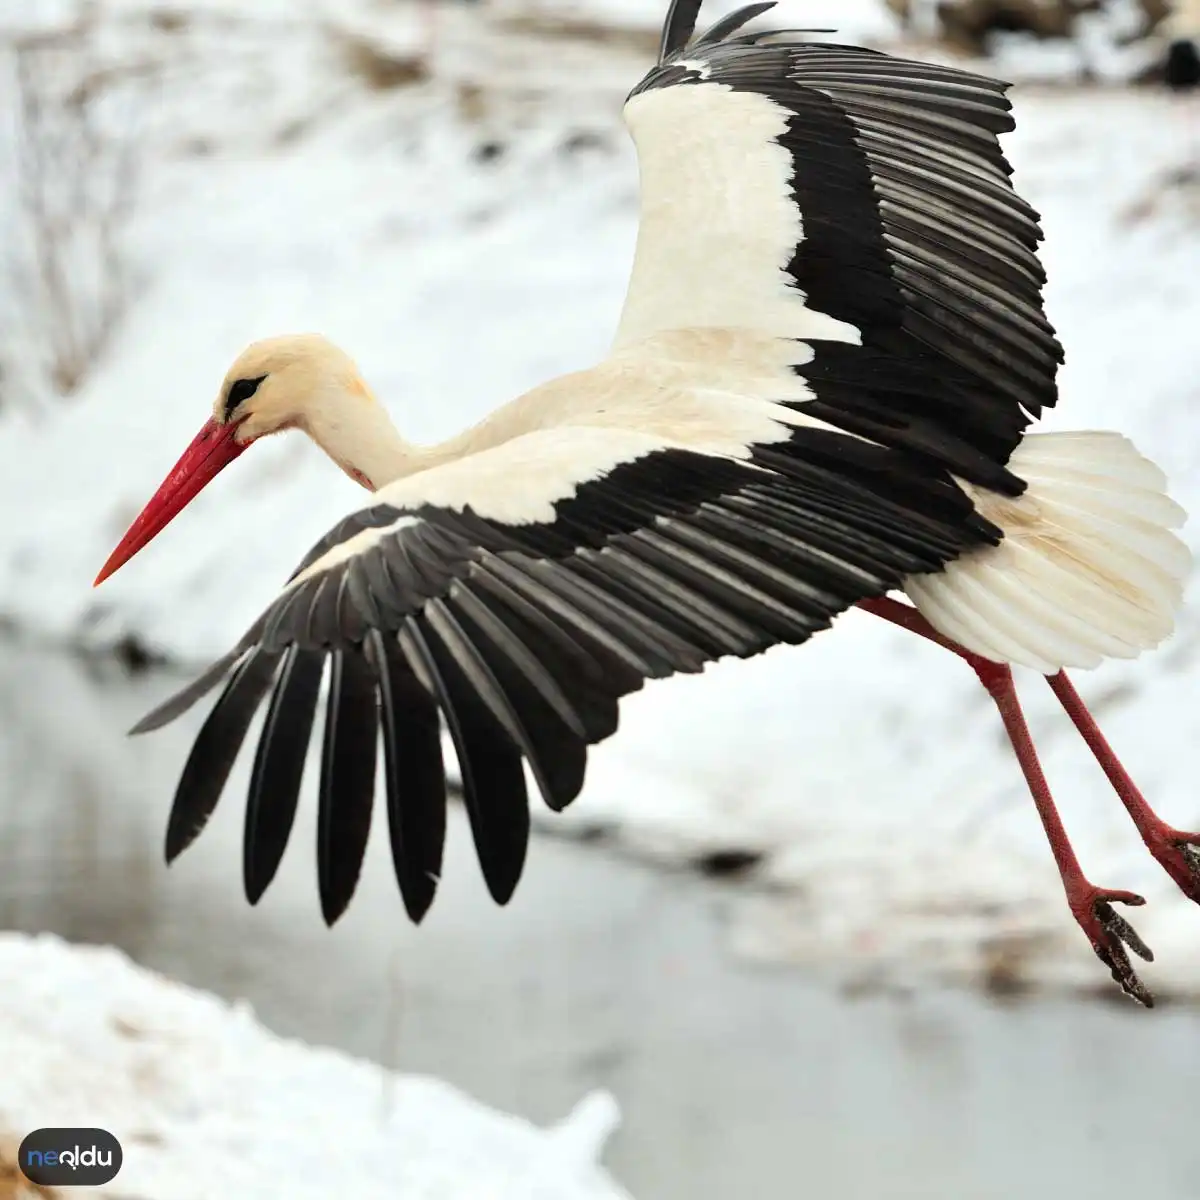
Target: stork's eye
column 239, row 390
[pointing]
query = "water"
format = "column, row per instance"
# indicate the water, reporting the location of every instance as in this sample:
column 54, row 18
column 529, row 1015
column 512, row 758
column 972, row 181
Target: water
column 734, row 1082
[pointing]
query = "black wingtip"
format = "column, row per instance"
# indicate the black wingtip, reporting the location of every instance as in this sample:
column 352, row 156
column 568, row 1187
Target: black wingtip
column 181, row 833
column 147, row 724
column 331, row 914
column 418, row 894
column 335, row 898
column 414, row 775
column 502, row 885
column 177, row 704
column 274, row 792
column 493, row 777
column 503, row 858
column 177, row 841
column 347, row 789
column 735, row 20
column 421, row 901
column 215, row 749
column 678, row 27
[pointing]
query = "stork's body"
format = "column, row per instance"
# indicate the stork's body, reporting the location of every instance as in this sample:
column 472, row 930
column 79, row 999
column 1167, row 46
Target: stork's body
column 818, row 395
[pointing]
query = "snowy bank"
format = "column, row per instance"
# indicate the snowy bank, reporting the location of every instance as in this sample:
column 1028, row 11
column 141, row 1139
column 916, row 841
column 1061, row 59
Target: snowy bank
column 465, row 244
column 208, row 1103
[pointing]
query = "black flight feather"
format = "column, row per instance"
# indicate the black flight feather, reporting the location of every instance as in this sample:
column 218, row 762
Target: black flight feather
column 596, row 678
column 493, row 779
column 679, row 25
column 347, row 780
column 195, row 691
column 279, row 768
column 414, row 774
column 216, row 749
column 552, row 724
column 720, row 30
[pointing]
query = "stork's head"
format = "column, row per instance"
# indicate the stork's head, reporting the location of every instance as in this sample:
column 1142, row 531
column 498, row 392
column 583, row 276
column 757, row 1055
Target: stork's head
column 300, row 381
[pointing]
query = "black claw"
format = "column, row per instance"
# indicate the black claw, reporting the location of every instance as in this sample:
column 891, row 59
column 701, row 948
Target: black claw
column 1191, row 856
column 1118, row 927
column 1111, row 952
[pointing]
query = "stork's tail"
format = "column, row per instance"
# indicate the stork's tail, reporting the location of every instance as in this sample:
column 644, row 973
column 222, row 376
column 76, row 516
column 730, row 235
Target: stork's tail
column 1088, row 569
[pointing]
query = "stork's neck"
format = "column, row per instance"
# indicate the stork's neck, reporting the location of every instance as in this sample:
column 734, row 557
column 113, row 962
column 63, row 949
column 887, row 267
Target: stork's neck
column 362, row 440
column 359, row 436
column 357, row 433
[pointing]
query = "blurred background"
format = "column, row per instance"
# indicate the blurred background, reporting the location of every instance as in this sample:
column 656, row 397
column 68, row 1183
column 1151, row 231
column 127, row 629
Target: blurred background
column 802, row 922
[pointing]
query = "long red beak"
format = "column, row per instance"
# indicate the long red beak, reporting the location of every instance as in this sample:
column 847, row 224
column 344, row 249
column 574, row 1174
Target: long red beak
column 211, row 451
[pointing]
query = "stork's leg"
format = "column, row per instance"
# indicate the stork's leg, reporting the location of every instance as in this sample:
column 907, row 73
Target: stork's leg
column 1176, row 851
column 1091, row 906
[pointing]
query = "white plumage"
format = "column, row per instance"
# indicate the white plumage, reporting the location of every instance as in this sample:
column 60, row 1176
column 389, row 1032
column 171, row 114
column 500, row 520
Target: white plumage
column 687, row 138
column 831, row 348
column 1088, row 569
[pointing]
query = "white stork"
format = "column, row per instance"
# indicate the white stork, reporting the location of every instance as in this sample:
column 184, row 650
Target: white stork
column 832, row 346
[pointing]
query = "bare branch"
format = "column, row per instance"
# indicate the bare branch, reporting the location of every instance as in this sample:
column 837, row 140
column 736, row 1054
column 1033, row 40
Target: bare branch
column 77, row 173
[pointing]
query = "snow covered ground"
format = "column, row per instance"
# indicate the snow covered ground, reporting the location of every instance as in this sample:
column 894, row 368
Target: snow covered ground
column 205, row 1102
column 469, row 236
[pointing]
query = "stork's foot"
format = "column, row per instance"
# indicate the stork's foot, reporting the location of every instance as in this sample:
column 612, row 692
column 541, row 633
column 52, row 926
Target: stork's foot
column 1110, row 934
column 1178, row 853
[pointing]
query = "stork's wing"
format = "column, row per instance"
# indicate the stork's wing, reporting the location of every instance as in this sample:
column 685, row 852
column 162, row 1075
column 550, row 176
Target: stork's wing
column 520, row 593
column 860, row 203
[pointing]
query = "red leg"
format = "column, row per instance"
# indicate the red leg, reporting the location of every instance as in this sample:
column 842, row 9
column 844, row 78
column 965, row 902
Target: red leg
column 1178, row 852
column 908, row 618
column 1091, row 906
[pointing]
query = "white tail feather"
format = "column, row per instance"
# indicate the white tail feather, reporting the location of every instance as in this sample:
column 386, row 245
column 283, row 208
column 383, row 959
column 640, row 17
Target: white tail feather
column 1089, row 568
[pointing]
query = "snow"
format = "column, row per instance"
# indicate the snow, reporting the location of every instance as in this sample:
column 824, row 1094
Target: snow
column 205, row 1102
column 869, row 770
